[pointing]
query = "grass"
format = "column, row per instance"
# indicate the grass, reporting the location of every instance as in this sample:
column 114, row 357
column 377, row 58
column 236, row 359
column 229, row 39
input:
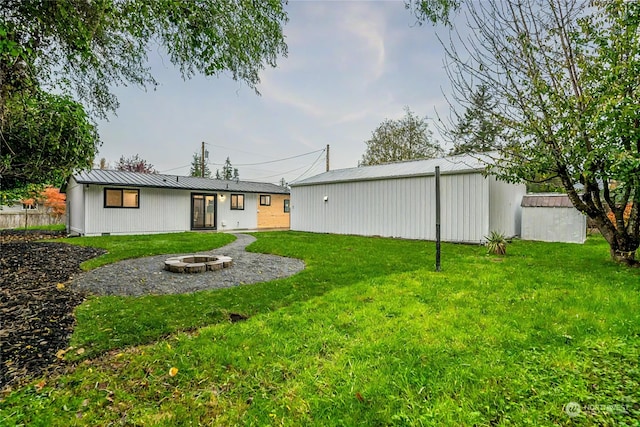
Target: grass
column 124, row 247
column 368, row 335
column 50, row 227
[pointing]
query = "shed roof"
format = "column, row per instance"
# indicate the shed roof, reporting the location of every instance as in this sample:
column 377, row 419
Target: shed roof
column 137, row 179
column 465, row 163
column 546, row 200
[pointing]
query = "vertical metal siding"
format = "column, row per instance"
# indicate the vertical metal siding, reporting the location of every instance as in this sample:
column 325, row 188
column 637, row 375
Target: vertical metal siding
column 75, row 205
column 505, row 212
column 160, row 211
column 402, row 207
column 465, row 207
column 553, row 224
column 238, row 219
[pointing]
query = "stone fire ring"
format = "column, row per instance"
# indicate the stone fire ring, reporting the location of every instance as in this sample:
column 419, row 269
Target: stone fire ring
column 197, row 263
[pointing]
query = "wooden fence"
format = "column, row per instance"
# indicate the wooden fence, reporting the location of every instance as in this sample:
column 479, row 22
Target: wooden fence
column 18, row 219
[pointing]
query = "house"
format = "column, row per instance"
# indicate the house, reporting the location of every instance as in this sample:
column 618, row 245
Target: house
column 103, row 202
column 551, row 217
column 398, row 200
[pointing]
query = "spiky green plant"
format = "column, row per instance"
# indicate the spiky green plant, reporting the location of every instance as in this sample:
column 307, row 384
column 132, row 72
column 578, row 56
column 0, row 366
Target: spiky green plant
column 496, row 243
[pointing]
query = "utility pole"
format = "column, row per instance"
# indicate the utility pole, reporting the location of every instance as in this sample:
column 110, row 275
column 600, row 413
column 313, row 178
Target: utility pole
column 202, row 161
column 327, row 157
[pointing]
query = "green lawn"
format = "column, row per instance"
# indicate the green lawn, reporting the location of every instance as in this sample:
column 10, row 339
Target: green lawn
column 367, row 335
column 124, row 247
column 52, row 227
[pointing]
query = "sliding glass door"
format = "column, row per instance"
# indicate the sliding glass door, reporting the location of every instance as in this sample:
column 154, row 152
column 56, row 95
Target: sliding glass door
column 203, row 211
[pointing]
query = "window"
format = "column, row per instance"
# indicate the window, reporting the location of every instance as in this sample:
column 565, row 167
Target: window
column 121, row 198
column 237, row 202
column 29, row 206
column 287, row 206
column 265, row 200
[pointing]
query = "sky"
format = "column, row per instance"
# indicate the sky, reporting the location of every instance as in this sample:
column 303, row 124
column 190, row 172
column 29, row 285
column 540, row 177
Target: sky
column 350, row 65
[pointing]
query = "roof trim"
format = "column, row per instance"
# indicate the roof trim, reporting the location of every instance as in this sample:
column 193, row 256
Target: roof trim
column 174, row 182
column 451, row 165
column 381, row 178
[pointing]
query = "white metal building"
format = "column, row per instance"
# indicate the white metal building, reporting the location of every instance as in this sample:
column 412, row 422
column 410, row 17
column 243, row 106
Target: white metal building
column 552, row 218
column 116, row 202
column 398, row 200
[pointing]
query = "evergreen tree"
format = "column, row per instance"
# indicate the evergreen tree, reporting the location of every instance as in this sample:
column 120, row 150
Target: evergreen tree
column 228, row 172
column 196, row 167
column 476, row 131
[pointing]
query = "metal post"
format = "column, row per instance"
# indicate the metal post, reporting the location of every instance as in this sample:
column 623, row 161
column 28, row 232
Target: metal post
column 437, row 218
column 202, row 161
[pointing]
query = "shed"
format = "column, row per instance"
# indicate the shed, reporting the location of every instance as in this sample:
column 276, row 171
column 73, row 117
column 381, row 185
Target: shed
column 101, row 202
column 551, row 217
column 398, row 200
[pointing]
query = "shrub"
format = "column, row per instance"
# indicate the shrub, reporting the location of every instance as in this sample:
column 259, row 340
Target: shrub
column 496, row 243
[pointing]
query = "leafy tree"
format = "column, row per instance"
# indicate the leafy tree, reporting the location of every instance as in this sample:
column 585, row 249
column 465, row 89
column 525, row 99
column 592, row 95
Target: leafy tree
column 435, row 11
column 228, row 172
column 81, row 49
column 405, row 139
column 564, row 74
column 44, row 139
column 134, row 164
column 476, row 131
column 54, row 202
column 196, row 167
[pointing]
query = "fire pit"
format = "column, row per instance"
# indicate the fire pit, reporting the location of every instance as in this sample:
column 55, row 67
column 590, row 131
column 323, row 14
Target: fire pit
column 197, row 263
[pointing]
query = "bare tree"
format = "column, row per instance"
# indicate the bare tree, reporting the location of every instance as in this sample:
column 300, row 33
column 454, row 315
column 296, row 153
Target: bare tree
column 564, row 75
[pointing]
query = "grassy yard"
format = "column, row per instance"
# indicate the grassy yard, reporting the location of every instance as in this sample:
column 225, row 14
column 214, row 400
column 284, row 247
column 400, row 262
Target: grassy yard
column 367, row 335
column 125, row 247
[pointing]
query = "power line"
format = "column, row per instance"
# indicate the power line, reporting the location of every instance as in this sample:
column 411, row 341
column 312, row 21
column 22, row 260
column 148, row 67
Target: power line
column 280, row 174
column 172, row 169
column 312, row 165
column 249, row 164
column 281, row 160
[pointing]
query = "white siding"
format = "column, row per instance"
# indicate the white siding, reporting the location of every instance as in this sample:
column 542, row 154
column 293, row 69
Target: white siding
column 237, row 219
column 403, row 207
column 160, row 211
column 505, row 213
column 555, row 224
column 75, row 207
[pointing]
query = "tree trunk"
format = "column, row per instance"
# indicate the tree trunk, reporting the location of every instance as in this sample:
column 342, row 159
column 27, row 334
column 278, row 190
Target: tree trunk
column 622, row 246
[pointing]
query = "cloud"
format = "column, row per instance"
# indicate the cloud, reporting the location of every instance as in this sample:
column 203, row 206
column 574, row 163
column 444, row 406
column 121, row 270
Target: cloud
column 368, row 25
column 282, row 94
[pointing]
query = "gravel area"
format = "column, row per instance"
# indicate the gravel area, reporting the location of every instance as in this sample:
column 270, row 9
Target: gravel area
column 146, row 276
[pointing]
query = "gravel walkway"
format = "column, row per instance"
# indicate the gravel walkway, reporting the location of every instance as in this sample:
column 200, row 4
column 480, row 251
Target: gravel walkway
column 144, row 276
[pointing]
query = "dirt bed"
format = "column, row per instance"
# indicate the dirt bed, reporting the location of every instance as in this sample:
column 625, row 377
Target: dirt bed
column 36, row 306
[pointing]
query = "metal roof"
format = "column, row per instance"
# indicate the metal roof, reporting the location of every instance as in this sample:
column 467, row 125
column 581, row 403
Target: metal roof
column 464, row 163
column 136, row 179
column 546, row 200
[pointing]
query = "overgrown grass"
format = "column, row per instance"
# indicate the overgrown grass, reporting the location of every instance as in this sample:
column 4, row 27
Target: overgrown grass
column 369, row 335
column 125, row 247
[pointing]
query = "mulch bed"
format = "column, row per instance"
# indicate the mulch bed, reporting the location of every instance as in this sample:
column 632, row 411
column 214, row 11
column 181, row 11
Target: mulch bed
column 36, row 307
